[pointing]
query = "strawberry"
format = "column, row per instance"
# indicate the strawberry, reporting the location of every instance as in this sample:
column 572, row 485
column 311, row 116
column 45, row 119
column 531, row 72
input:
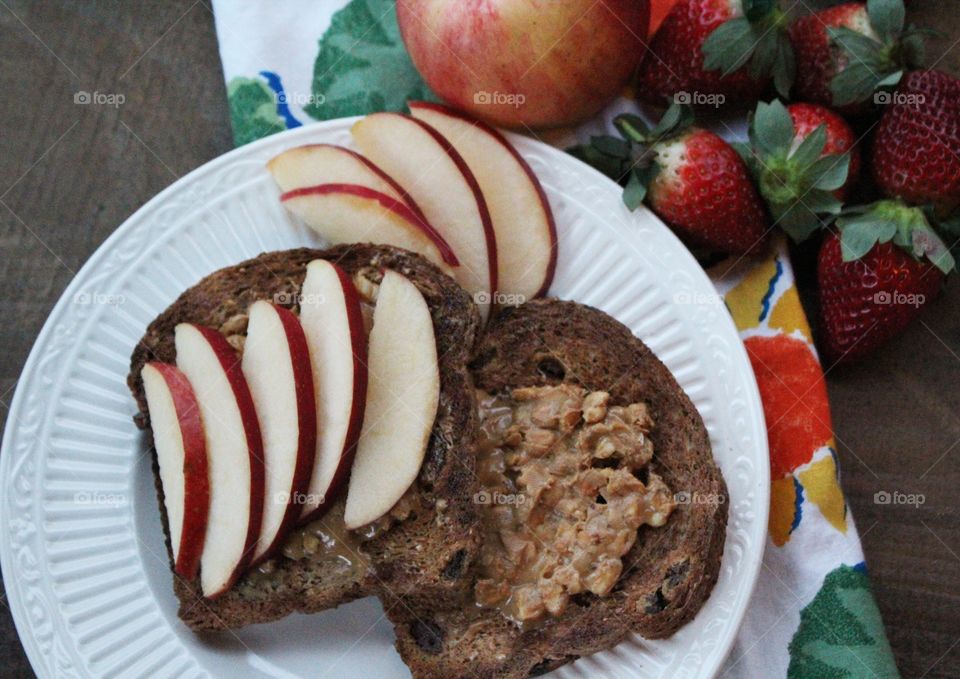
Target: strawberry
column 916, row 149
column 692, row 179
column 704, row 191
column 849, row 51
column 715, row 50
column 799, row 160
column 821, row 60
column 874, row 277
column 840, row 137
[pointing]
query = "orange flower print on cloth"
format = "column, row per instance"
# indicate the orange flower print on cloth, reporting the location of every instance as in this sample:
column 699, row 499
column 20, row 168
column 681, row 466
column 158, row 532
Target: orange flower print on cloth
column 766, row 309
column 794, row 397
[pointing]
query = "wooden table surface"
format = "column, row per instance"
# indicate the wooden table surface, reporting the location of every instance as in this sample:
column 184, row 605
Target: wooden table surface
column 71, row 173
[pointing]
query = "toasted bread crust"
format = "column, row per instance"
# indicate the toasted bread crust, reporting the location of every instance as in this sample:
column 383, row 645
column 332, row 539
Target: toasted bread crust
column 421, row 568
column 669, row 572
column 424, row 555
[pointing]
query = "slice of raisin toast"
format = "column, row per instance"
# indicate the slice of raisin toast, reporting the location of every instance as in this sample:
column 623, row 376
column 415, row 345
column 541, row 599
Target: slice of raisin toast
column 423, row 548
column 669, row 570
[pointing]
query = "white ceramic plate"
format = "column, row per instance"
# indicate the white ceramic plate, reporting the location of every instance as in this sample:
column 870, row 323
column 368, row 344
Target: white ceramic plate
column 83, row 558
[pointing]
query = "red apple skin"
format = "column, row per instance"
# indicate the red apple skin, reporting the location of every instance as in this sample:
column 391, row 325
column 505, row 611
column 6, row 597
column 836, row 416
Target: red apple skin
column 488, row 233
column 493, row 132
column 389, row 203
column 358, row 341
column 196, row 496
column 411, row 203
column 306, row 422
column 230, row 361
column 567, row 60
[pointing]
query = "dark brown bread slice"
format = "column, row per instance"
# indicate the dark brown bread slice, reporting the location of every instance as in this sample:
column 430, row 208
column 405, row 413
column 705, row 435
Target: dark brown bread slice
column 669, row 572
column 427, row 552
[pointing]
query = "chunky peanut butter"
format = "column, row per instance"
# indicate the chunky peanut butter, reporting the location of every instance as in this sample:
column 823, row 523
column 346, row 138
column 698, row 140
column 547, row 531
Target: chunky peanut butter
column 324, row 541
column 559, row 468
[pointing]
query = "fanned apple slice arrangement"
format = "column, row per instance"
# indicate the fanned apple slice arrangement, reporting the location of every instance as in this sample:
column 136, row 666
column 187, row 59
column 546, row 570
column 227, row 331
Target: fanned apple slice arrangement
column 436, row 182
column 252, row 444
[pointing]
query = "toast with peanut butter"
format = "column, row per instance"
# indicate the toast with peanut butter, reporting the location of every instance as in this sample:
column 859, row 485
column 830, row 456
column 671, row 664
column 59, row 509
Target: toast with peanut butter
column 426, row 544
column 603, row 510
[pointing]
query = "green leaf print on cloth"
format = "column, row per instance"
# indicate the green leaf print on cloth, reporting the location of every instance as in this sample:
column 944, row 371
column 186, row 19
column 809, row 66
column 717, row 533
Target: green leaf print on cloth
column 253, row 110
column 841, row 634
column 362, row 66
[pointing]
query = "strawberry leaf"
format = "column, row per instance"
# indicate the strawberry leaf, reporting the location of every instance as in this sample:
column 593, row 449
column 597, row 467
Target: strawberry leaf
column 785, row 68
column 809, row 150
column 745, row 151
column 730, row 46
column 926, row 243
column 760, row 38
column 892, row 220
column 859, row 235
column 907, row 220
column 675, row 119
column 823, row 203
column 854, row 84
column 886, row 17
column 619, row 160
column 772, row 128
column 612, row 167
column 862, row 48
column 611, row 146
column 891, row 80
column 831, row 171
column 912, row 47
column 798, row 221
column 633, row 127
column 875, row 63
column 634, row 192
column 764, row 55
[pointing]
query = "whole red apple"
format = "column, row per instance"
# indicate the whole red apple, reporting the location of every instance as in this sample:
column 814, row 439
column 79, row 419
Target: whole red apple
column 525, row 63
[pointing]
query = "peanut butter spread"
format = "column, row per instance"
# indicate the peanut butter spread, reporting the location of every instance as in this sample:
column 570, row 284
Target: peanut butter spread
column 559, row 469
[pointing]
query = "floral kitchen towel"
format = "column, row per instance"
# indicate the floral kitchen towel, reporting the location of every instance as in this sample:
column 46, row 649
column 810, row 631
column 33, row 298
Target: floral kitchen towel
column 812, row 615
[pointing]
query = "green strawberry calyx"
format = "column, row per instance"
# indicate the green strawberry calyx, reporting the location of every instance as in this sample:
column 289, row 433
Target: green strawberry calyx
column 874, row 65
column 758, row 40
column 795, row 179
column 910, row 228
column 630, row 159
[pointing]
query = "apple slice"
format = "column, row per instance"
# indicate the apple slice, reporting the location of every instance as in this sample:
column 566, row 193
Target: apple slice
column 182, row 456
column 332, row 322
column 234, row 452
column 350, row 213
column 521, row 215
column 402, row 401
column 430, row 169
column 276, row 364
column 315, row 164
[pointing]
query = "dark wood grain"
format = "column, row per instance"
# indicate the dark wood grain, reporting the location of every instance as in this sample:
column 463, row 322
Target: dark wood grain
column 70, row 174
